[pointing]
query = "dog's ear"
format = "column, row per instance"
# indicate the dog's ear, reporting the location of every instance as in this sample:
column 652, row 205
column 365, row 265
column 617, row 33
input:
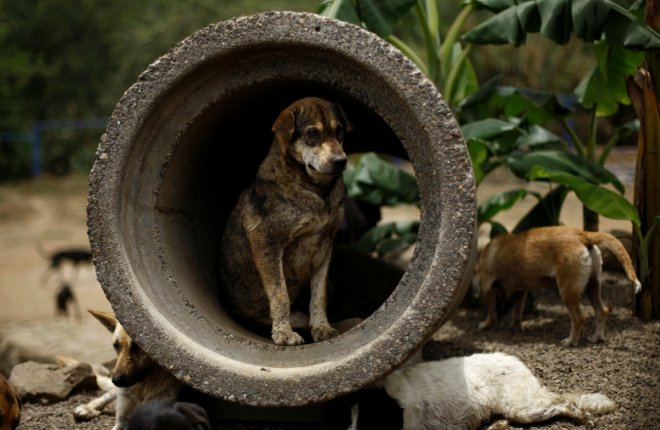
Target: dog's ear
column 348, row 126
column 108, row 319
column 285, row 125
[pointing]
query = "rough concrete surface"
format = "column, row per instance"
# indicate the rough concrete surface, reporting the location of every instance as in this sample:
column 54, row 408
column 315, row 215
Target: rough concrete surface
column 157, row 200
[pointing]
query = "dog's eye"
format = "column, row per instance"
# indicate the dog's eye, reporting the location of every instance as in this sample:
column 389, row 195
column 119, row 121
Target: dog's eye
column 115, row 345
column 312, row 133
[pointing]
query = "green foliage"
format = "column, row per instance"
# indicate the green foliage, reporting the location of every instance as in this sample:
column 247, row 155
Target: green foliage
column 74, row 59
column 380, row 183
column 389, row 238
column 605, row 87
column 506, row 125
column 557, row 20
column 442, row 58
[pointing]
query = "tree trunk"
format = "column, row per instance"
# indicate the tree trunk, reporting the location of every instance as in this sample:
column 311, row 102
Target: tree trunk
column 590, row 219
column 644, row 94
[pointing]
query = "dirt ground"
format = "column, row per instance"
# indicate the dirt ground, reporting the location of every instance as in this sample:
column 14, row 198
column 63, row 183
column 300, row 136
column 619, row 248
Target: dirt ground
column 626, row 368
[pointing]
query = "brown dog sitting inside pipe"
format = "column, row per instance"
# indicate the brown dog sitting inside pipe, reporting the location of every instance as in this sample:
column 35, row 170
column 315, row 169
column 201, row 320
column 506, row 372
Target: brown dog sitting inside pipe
column 279, row 236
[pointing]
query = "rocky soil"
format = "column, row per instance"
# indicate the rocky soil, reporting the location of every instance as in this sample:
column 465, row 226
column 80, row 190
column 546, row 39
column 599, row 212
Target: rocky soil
column 626, row 368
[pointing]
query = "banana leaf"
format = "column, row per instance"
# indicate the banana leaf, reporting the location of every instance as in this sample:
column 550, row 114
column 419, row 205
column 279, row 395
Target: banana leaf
column 343, row 10
column 380, row 183
column 590, row 20
column 605, row 87
column 378, row 16
column 599, row 199
column 560, row 161
column 545, row 212
column 502, row 201
column 389, row 237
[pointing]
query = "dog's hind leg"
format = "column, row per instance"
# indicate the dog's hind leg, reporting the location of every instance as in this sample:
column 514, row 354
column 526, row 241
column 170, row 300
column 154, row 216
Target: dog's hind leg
column 536, row 414
column 488, row 297
column 519, row 305
column 572, row 302
column 572, row 282
column 593, row 293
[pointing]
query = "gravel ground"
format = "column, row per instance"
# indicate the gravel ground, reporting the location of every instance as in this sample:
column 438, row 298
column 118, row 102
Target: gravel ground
column 626, row 368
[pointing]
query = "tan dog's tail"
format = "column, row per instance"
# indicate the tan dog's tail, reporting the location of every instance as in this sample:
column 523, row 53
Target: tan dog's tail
column 612, row 244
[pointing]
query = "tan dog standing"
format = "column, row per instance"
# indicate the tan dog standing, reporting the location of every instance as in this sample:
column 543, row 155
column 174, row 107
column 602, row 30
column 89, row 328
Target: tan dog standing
column 279, row 236
column 138, row 379
column 567, row 257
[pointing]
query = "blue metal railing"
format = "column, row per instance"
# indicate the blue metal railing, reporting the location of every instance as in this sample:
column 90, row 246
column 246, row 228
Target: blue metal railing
column 35, row 136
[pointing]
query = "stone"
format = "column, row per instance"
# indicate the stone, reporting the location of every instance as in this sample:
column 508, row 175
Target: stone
column 48, row 383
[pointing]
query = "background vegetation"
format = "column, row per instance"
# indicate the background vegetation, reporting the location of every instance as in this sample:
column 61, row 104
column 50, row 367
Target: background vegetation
column 74, row 59
column 534, row 91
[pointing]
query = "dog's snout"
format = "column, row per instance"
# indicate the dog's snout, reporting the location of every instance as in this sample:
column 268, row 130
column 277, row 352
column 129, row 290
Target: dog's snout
column 339, row 163
column 121, row 381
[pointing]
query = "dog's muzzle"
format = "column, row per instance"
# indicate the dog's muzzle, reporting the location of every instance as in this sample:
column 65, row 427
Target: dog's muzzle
column 333, row 167
column 339, row 164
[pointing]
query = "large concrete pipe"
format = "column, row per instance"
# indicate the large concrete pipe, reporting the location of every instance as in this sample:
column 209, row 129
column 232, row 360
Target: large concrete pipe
column 187, row 137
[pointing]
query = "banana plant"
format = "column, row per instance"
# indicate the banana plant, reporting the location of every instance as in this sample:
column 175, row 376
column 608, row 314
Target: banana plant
column 518, row 141
column 376, row 181
column 645, row 93
column 618, row 38
column 505, row 125
column 443, row 58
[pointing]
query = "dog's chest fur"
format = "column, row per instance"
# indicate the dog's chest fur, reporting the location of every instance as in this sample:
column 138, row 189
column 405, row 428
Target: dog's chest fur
column 158, row 384
column 299, row 216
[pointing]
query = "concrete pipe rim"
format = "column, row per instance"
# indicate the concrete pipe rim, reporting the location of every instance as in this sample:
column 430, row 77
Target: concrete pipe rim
column 150, row 195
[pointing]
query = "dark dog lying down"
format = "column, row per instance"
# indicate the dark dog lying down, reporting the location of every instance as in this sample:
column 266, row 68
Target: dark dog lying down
column 169, row 415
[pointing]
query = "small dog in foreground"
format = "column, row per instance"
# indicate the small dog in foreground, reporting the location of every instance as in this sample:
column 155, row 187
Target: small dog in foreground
column 136, row 377
column 10, row 405
column 279, row 236
column 567, row 257
column 467, row 392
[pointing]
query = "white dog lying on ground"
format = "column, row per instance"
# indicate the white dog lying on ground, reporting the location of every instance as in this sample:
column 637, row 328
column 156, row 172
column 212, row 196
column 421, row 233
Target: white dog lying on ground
column 463, row 393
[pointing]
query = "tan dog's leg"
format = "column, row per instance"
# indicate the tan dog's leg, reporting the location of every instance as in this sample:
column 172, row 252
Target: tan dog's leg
column 126, row 404
column 571, row 285
column 593, row 293
column 518, row 307
column 280, row 312
column 94, row 408
column 488, row 296
column 318, row 318
column 268, row 262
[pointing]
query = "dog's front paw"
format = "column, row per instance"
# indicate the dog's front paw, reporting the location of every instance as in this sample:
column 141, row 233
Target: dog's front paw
column 287, row 337
column 85, row 413
column 323, row 332
column 569, row 342
column 516, row 327
column 485, row 325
